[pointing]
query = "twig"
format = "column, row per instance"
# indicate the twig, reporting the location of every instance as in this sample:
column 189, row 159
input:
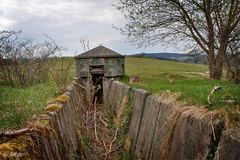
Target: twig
column 114, row 139
column 15, row 133
column 110, row 145
column 80, row 85
column 214, row 136
column 104, row 144
column 115, row 136
column 94, row 118
column 87, row 121
column 100, row 117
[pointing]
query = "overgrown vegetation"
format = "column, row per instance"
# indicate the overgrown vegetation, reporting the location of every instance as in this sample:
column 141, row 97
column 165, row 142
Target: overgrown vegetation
column 30, row 74
column 104, row 128
column 23, row 62
column 17, row 105
column 62, row 73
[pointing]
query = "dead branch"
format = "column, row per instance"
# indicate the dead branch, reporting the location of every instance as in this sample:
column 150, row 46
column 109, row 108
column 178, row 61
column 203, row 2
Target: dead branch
column 110, row 145
column 104, row 144
column 79, row 85
column 103, row 122
column 87, row 121
column 27, row 63
column 94, row 118
column 15, row 133
column 84, row 43
column 214, row 136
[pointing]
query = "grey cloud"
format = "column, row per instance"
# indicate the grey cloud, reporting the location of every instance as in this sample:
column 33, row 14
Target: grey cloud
column 68, row 20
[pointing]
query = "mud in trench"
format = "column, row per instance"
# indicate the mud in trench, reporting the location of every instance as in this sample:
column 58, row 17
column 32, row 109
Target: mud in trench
column 104, row 133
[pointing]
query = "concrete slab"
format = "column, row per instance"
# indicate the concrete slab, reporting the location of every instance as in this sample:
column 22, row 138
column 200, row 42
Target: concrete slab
column 139, row 97
column 229, row 145
column 147, row 128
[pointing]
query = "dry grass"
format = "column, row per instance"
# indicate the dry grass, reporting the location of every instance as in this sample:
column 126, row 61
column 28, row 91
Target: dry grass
column 101, row 131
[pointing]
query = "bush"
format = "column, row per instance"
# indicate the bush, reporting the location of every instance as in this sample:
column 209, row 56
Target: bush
column 23, row 62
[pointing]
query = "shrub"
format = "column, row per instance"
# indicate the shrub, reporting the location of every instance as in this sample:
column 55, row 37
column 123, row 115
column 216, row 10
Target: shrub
column 23, row 62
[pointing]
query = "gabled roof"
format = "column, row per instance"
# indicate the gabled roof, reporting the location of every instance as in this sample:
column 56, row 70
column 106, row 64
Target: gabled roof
column 99, row 52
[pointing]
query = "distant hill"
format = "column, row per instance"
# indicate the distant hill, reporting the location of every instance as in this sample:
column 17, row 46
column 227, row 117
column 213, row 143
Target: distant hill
column 179, row 57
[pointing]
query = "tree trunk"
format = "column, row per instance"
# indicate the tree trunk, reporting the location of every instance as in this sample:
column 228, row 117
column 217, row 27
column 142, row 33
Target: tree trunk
column 233, row 76
column 215, row 66
column 233, row 68
column 215, row 72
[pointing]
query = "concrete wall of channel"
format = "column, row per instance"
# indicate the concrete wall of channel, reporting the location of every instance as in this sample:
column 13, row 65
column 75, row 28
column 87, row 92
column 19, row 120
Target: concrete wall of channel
column 160, row 129
column 53, row 135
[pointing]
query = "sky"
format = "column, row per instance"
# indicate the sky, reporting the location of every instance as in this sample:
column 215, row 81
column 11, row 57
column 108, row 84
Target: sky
column 67, row 21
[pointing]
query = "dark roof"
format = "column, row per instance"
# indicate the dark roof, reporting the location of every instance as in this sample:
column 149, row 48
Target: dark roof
column 99, row 52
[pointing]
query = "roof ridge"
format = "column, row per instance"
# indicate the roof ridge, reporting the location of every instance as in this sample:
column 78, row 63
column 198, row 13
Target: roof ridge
column 99, row 51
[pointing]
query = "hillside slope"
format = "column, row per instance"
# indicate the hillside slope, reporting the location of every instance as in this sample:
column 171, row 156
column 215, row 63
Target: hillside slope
column 179, row 57
column 190, row 80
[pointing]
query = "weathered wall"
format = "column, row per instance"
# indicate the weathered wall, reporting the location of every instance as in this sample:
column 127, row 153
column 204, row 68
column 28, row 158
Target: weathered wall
column 229, row 145
column 160, row 129
column 82, row 67
column 52, row 135
column 65, row 123
column 113, row 67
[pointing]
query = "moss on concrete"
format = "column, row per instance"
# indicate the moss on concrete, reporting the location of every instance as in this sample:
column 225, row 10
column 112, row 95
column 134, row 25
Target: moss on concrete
column 17, row 148
column 53, row 107
column 62, row 99
column 127, row 145
column 44, row 121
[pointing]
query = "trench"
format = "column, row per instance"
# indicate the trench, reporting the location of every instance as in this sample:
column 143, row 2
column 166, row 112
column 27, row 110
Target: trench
column 103, row 125
column 129, row 124
column 99, row 135
column 103, row 128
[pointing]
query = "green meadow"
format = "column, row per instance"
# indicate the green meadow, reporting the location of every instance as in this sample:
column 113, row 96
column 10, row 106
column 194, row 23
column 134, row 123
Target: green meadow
column 190, row 81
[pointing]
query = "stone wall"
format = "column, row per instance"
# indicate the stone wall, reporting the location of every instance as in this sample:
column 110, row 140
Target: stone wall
column 161, row 129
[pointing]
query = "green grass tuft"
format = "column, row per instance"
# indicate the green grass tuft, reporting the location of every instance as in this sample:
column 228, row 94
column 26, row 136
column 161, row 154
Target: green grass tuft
column 19, row 104
column 16, row 105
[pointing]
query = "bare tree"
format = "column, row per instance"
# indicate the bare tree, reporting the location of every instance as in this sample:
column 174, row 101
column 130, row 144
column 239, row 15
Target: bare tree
column 84, row 43
column 23, row 62
column 210, row 24
column 233, row 62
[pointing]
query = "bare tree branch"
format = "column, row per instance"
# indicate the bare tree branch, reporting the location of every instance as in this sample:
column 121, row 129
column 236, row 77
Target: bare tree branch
column 211, row 24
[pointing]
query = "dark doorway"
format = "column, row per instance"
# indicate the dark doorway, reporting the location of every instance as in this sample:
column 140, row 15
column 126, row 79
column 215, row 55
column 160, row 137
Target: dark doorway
column 97, row 80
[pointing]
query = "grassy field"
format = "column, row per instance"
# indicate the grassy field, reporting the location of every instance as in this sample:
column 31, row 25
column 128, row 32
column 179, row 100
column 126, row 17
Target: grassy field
column 189, row 80
column 18, row 104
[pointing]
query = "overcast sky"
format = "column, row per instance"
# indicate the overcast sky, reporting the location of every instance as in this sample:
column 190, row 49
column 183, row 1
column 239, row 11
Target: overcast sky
column 66, row 21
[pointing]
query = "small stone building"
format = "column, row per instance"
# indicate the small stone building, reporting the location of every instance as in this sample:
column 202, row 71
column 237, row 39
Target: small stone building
column 98, row 65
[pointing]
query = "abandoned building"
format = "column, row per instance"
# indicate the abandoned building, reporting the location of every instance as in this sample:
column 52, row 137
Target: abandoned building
column 96, row 66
